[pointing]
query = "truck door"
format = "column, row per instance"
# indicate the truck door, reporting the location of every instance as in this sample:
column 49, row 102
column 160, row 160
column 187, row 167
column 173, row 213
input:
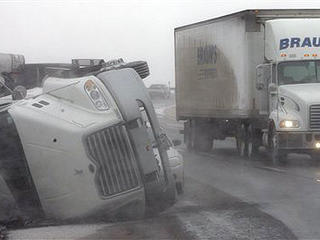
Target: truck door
column 263, row 79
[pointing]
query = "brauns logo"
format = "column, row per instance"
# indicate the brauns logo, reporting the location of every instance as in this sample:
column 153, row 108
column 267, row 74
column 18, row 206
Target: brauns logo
column 299, row 42
column 207, row 54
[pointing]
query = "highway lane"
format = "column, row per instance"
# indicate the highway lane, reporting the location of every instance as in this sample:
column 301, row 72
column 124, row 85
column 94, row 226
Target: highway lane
column 289, row 193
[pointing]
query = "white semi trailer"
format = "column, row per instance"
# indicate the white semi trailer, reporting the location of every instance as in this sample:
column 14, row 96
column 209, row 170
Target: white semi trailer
column 253, row 75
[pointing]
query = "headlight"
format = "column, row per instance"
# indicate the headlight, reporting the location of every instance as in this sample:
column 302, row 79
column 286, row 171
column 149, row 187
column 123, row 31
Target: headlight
column 289, row 124
column 95, row 95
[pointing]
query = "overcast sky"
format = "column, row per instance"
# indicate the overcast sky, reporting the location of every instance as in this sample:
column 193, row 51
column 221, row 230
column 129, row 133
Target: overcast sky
column 56, row 31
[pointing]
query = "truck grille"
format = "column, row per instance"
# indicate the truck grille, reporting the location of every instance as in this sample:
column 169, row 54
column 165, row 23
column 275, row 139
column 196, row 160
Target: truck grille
column 117, row 169
column 315, row 116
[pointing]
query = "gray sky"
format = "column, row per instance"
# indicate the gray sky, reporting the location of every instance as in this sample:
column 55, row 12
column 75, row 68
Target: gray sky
column 56, row 31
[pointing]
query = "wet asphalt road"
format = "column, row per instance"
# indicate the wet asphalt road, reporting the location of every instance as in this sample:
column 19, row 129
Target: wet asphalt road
column 289, row 194
column 225, row 197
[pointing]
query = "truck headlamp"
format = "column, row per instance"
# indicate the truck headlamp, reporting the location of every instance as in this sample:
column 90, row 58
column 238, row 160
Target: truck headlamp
column 289, row 124
column 95, row 95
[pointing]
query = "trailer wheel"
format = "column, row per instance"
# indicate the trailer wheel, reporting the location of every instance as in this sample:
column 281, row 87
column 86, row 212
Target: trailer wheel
column 277, row 156
column 242, row 140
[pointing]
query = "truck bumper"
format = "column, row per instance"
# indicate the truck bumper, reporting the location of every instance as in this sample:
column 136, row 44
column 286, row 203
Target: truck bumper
column 299, row 141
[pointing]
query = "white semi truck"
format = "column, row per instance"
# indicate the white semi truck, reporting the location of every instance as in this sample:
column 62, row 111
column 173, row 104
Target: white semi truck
column 253, row 75
column 82, row 142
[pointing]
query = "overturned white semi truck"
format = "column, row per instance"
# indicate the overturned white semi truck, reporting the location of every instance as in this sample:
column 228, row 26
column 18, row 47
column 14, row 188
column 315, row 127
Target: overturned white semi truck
column 77, row 144
column 253, row 75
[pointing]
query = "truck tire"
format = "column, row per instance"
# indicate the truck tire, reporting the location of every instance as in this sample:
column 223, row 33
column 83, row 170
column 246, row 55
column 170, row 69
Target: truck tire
column 141, row 67
column 277, row 155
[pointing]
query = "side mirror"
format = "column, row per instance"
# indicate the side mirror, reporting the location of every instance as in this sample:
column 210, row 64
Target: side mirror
column 273, row 88
column 176, row 142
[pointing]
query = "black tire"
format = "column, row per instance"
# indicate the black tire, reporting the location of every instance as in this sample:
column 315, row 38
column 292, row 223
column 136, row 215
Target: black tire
column 141, row 67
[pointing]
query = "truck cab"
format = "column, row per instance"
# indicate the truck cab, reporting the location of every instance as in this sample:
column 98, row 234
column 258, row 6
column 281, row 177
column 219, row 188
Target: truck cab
column 289, row 84
column 77, row 145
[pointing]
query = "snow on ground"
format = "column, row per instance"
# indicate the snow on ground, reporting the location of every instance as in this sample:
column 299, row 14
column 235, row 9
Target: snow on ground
column 57, row 232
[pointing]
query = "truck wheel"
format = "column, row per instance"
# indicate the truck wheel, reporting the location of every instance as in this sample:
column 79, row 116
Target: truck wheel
column 242, row 141
column 277, row 156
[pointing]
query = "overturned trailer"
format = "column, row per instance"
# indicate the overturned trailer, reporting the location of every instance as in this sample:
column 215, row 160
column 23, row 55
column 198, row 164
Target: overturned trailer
column 83, row 141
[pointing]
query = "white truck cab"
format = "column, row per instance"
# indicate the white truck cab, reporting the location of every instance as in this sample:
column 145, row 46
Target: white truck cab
column 78, row 147
column 290, row 83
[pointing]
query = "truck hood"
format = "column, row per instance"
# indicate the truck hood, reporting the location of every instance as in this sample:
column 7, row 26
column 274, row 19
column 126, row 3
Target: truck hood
column 302, row 93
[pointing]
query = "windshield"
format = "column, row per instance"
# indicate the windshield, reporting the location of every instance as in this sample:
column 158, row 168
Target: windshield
column 298, row 72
